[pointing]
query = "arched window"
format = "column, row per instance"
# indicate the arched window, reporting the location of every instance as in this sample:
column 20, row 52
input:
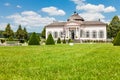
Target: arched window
column 101, row 34
column 94, row 34
column 87, row 34
column 55, row 34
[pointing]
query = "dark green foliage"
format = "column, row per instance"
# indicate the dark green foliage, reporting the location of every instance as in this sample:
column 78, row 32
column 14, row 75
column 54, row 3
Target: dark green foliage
column 113, row 28
column 8, row 31
column 70, row 40
column 34, row 39
column 1, row 34
column 38, row 37
column 10, row 38
column 50, row 40
column 43, row 33
column 59, row 41
column 2, row 40
column 64, row 41
column 25, row 36
column 116, row 41
column 20, row 33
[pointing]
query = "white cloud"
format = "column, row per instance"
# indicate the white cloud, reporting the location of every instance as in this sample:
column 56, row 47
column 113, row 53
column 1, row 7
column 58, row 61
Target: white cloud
column 18, row 6
column 79, row 2
column 30, row 18
column 91, row 11
column 89, row 16
column 53, row 11
column 110, row 9
column 7, row 4
column 96, row 8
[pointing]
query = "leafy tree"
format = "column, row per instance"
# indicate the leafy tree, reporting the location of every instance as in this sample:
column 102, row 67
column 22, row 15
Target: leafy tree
column 25, row 35
column 34, row 39
column 114, row 27
column 59, row 41
column 116, row 41
column 43, row 34
column 50, row 40
column 8, row 31
column 20, row 33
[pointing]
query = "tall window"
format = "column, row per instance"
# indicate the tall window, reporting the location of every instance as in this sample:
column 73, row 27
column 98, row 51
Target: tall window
column 87, row 34
column 61, row 34
column 55, row 34
column 81, row 33
column 94, row 34
column 101, row 34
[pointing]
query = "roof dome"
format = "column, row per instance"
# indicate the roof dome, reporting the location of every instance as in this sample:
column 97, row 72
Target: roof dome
column 75, row 17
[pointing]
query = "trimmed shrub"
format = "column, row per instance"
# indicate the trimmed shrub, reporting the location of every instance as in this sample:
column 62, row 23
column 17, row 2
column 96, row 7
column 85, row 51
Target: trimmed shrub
column 64, row 41
column 116, row 41
column 59, row 41
column 50, row 40
column 70, row 40
column 34, row 39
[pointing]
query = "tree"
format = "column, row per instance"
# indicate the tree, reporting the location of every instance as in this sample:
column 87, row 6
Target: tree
column 34, row 39
column 8, row 31
column 116, row 41
column 20, row 34
column 50, row 40
column 43, row 34
column 114, row 27
column 59, row 41
column 25, row 35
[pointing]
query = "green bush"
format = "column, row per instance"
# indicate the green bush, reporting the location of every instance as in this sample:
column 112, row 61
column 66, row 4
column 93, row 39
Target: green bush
column 50, row 40
column 59, row 41
column 116, row 41
column 70, row 40
column 34, row 39
column 10, row 39
column 64, row 41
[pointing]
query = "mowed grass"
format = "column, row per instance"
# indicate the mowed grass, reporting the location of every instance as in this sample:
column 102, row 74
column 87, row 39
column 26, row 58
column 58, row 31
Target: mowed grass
column 60, row 62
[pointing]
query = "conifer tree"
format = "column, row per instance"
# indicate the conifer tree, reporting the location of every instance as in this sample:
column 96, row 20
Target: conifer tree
column 50, row 40
column 43, row 35
column 20, row 33
column 34, row 39
column 59, row 41
column 116, row 41
column 8, row 31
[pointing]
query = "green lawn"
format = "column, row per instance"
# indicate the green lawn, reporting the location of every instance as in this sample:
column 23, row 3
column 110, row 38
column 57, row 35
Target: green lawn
column 60, row 62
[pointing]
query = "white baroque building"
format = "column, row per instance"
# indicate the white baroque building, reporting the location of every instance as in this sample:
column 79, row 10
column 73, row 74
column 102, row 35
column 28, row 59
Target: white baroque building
column 76, row 28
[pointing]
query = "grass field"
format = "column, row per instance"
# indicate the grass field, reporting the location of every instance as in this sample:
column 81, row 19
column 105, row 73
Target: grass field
column 60, row 62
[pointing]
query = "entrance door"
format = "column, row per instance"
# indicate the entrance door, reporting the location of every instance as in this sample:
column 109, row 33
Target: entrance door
column 72, row 34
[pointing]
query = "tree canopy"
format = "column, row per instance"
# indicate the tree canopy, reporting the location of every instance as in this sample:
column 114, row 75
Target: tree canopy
column 21, row 34
column 8, row 31
column 34, row 39
column 114, row 27
column 50, row 40
column 43, row 34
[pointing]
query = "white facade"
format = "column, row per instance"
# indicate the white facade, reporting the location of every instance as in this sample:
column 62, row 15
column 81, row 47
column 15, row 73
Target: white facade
column 77, row 30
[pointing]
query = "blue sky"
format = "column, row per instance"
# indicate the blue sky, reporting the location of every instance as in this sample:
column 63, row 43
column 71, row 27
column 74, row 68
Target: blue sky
column 35, row 14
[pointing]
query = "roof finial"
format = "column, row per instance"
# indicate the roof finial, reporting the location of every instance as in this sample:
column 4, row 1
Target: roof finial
column 75, row 12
